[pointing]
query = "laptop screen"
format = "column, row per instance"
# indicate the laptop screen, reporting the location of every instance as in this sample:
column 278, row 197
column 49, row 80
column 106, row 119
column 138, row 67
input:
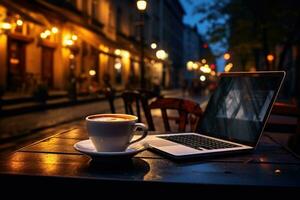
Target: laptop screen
column 240, row 106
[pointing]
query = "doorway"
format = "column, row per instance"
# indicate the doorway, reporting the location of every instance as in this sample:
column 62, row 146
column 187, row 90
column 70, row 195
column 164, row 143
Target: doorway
column 47, row 66
column 16, row 64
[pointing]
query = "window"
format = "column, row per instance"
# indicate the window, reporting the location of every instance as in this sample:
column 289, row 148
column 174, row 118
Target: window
column 118, row 19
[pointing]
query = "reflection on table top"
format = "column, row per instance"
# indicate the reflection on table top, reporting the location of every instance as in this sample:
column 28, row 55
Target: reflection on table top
column 270, row 166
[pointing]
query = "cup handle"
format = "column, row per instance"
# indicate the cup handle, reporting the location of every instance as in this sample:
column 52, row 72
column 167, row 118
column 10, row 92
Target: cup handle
column 145, row 131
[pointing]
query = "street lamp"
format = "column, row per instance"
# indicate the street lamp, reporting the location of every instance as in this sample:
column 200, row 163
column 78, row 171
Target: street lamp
column 227, row 56
column 270, row 57
column 228, row 67
column 141, row 6
column 161, row 54
column 153, row 45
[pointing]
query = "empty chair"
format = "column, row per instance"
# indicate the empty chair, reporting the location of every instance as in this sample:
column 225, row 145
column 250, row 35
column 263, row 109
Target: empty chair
column 289, row 123
column 135, row 102
column 189, row 112
column 110, row 96
column 284, row 118
column 150, row 94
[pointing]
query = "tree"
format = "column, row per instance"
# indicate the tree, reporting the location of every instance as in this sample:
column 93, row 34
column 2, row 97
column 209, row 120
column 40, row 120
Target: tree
column 253, row 26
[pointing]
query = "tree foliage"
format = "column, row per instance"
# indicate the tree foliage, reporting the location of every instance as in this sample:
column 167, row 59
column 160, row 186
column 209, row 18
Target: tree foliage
column 253, row 25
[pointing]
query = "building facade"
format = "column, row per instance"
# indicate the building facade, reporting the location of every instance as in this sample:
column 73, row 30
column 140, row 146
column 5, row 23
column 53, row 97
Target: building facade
column 162, row 23
column 92, row 42
column 171, row 35
column 197, row 54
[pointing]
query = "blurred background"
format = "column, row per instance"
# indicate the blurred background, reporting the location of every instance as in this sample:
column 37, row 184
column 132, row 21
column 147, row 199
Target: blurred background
column 66, row 56
column 77, row 46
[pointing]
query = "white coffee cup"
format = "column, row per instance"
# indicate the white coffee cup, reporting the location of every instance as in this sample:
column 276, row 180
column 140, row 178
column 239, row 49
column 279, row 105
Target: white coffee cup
column 113, row 132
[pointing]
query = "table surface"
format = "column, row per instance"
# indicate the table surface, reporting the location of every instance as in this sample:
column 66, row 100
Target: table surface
column 269, row 166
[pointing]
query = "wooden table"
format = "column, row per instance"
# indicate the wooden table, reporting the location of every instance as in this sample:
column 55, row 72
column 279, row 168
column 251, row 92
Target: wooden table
column 54, row 162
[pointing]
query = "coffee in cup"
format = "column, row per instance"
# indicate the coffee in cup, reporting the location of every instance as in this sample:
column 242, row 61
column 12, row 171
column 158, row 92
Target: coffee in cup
column 113, row 132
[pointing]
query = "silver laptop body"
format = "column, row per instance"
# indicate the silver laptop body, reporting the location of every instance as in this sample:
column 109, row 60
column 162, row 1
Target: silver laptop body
column 233, row 121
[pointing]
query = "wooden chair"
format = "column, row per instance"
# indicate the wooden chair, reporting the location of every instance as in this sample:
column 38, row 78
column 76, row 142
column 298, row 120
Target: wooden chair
column 139, row 100
column 284, row 118
column 150, row 94
column 289, row 110
column 189, row 112
column 110, row 96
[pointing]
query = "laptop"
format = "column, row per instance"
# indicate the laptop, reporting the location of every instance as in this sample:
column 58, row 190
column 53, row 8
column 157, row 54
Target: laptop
column 233, row 121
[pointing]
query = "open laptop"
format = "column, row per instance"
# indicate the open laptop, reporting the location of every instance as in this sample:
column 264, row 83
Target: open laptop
column 233, row 121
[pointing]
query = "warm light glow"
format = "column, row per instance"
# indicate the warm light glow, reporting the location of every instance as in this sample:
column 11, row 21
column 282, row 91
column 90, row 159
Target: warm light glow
column 43, row 35
column 228, row 67
column 189, row 65
column 47, row 32
column 202, row 78
column 92, row 72
column 71, row 56
column 118, row 65
column 205, row 69
column 103, row 48
column 270, row 57
column 74, row 37
column 161, row 54
column 195, row 66
column 118, row 52
column 49, row 167
column 14, row 61
column 226, row 56
column 125, row 54
column 203, row 61
column 141, row 5
column 213, row 73
column 6, row 26
column 19, row 22
column 68, row 42
column 153, row 45
column 54, row 29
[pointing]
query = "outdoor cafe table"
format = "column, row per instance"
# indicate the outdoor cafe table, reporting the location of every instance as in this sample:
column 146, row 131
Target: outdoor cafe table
column 53, row 160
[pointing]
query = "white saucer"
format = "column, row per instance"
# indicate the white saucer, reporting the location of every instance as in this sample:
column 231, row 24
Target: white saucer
column 87, row 147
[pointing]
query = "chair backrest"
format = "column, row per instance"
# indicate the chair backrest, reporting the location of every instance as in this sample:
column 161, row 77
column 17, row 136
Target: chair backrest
column 189, row 112
column 139, row 101
column 150, row 94
column 110, row 96
column 285, row 117
column 130, row 98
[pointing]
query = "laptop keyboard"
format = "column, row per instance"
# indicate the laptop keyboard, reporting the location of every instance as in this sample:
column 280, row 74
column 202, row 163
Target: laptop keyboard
column 198, row 142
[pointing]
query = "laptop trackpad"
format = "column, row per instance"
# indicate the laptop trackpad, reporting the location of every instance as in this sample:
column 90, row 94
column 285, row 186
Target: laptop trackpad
column 160, row 143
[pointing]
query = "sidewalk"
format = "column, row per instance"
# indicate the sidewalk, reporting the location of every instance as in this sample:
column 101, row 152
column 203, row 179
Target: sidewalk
column 30, row 122
column 11, row 106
